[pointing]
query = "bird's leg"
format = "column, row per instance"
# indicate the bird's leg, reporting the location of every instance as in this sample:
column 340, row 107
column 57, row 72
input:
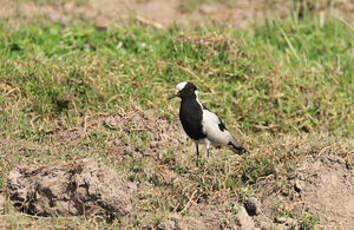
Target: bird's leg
column 196, row 145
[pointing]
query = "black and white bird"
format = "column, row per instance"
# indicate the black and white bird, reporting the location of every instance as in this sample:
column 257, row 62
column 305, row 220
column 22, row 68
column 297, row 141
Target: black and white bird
column 201, row 125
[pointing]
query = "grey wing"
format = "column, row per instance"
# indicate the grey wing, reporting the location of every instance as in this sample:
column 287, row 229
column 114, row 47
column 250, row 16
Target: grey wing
column 215, row 129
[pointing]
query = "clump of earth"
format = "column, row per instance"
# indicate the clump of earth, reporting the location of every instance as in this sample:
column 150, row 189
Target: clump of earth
column 80, row 188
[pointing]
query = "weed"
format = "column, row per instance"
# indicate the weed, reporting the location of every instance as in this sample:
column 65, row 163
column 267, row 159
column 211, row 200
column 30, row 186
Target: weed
column 308, row 221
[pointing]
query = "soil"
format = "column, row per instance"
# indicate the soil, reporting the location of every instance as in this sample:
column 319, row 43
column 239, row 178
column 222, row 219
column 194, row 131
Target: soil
column 79, row 188
column 323, row 186
column 164, row 13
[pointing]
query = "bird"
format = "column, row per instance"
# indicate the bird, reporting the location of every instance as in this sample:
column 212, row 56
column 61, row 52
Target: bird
column 199, row 123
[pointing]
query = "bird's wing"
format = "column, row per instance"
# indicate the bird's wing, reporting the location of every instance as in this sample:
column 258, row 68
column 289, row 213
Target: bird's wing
column 216, row 118
column 215, row 129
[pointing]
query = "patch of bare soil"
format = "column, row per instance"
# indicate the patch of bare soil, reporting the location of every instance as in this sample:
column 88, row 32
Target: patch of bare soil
column 80, row 188
column 163, row 13
column 323, row 186
column 326, row 187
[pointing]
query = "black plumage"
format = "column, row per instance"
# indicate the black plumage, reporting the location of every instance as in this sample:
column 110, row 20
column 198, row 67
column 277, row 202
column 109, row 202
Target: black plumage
column 191, row 116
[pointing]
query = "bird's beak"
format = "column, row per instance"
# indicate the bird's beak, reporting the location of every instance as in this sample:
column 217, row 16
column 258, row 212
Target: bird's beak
column 172, row 96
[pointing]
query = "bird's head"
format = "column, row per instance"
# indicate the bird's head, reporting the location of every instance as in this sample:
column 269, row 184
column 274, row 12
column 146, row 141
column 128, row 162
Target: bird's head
column 184, row 90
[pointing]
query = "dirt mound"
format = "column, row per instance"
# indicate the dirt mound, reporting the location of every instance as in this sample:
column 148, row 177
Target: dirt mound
column 205, row 217
column 325, row 185
column 84, row 188
column 321, row 192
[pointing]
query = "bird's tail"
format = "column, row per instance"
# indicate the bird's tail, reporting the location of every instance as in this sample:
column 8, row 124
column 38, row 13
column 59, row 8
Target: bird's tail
column 236, row 147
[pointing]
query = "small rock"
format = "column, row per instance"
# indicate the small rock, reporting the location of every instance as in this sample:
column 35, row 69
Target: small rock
column 112, row 123
column 244, row 220
column 281, row 227
column 117, row 142
column 290, row 222
column 264, row 222
column 266, row 225
column 167, row 225
column 154, row 144
column 252, row 206
column 281, row 219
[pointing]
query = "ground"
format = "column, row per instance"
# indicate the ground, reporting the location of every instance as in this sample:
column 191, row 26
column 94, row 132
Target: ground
column 299, row 170
column 309, row 197
column 164, row 13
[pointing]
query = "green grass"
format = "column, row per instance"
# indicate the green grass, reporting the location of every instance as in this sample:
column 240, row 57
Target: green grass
column 284, row 78
column 279, row 85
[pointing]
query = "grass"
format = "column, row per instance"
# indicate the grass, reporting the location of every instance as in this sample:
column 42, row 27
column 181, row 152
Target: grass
column 279, row 86
column 285, row 77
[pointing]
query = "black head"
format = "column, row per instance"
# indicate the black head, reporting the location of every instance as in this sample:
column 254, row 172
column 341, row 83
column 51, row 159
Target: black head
column 185, row 90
